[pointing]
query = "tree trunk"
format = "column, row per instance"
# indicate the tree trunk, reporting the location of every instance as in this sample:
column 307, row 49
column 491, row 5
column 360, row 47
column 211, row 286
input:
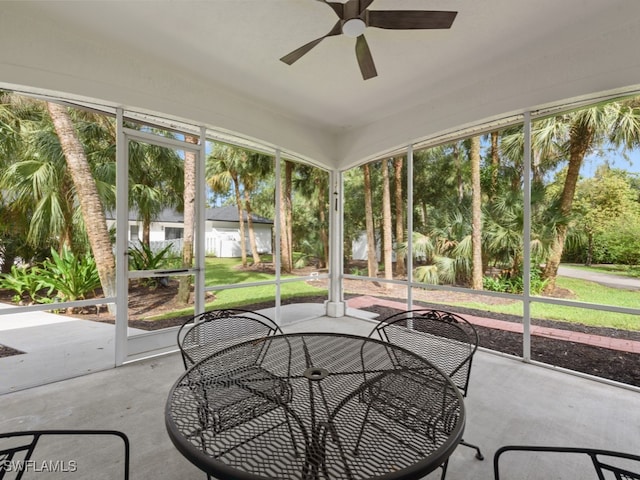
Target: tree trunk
column 387, row 228
column 146, row 230
column 589, row 259
column 189, row 196
column 537, row 177
column 476, row 215
column 66, row 233
column 289, row 185
column 495, row 163
column 581, row 137
column 236, row 187
column 460, row 181
column 286, row 255
column 324, row 233
column 397, row 168
column 89, row 199
column 372, row 260
column 252, row 233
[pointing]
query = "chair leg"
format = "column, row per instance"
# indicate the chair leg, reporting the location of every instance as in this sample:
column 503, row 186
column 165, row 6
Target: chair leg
column 444, row 469
column 479, row 455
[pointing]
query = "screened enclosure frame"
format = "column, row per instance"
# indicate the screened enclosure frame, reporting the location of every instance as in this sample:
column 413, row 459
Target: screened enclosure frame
column 335, row 305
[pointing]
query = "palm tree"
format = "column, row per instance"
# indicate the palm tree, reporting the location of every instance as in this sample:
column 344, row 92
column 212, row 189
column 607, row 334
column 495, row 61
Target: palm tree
column 52, row 172
column 156, row 181
column 372, row 260
column 230, row 167
column 476, row 214
column 443, row 255
column 222, row 175
column 387, row 240
column 35, row 172
column 286, row 218
column 254, row 170
column 354, row 201
column 14, row 224
column 90, row 204
column 189, row 202
column 400, row 207
column 312, row 184
column 433, row 180
column 576, row 134
column 495, row 162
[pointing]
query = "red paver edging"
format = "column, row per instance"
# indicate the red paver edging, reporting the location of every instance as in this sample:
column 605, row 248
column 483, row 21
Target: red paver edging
column 619, row 344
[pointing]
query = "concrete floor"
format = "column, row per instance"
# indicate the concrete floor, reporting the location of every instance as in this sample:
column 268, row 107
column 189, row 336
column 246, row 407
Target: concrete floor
column 56, row 346
column 509, row 402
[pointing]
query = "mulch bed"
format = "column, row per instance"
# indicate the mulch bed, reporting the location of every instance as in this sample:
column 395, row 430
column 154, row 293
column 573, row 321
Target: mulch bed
column 8, row 351
column 614, row 365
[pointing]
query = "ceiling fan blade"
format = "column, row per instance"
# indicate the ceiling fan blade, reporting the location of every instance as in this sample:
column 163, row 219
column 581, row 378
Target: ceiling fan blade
column 365, row 60
column 364, row 4
column 409, row 19
column 354, row 9
column 336, row 6
column 298, row 53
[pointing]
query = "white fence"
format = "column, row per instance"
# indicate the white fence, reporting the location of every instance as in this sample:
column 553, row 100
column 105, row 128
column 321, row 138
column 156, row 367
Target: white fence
column 213, row 246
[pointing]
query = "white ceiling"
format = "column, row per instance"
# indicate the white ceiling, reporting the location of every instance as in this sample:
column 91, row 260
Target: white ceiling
column 500, row 56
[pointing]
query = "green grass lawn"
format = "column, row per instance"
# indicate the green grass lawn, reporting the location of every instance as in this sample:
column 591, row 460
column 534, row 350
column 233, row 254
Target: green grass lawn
column 589, row 292
column 224, row 271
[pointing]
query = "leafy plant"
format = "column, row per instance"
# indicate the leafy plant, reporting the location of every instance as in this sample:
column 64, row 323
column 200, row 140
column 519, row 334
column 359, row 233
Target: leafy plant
column 509, row 283
column 495, row 284
column 358, row 271
column 71, row 276
column 309, row 254
column 142, row 257
column 23, row 281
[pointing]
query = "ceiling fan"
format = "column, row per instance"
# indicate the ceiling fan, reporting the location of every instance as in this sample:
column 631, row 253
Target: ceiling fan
column 355, row 16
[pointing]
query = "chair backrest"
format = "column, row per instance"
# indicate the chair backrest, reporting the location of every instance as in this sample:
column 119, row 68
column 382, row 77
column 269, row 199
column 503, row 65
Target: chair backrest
column 210, row 332
column 606, row 463
column 17, row 450
column 445, row 339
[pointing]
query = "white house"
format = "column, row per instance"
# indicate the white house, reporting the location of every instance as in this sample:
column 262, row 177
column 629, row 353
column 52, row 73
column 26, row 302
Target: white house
column 222, row 231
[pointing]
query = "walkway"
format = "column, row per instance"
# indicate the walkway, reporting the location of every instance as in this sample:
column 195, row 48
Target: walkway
column 607, row 279
column 619, row 344
column 58, row 347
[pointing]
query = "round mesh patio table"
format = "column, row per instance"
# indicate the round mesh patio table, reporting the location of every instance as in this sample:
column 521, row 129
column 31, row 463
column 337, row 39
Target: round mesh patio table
column 315, row 406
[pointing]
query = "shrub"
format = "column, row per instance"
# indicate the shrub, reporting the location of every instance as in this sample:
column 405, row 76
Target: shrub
column 620, row 243
column 24, row 281
column 507, row 282
column 71, row 276
column 361, row 272
column 142, row 257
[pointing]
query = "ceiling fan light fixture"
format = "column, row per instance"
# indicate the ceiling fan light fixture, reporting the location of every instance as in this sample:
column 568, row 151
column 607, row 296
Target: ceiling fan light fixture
column 354, row 27
column 354, row 17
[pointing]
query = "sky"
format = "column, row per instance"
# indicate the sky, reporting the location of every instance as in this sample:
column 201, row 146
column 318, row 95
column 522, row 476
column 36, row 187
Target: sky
column 615, row 159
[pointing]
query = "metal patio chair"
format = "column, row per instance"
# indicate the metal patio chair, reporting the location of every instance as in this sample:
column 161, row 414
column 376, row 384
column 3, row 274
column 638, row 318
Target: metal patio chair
column 216, row 330
column 445, row 339
column 17, row 450
column 213, row 331
column 606, row 463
